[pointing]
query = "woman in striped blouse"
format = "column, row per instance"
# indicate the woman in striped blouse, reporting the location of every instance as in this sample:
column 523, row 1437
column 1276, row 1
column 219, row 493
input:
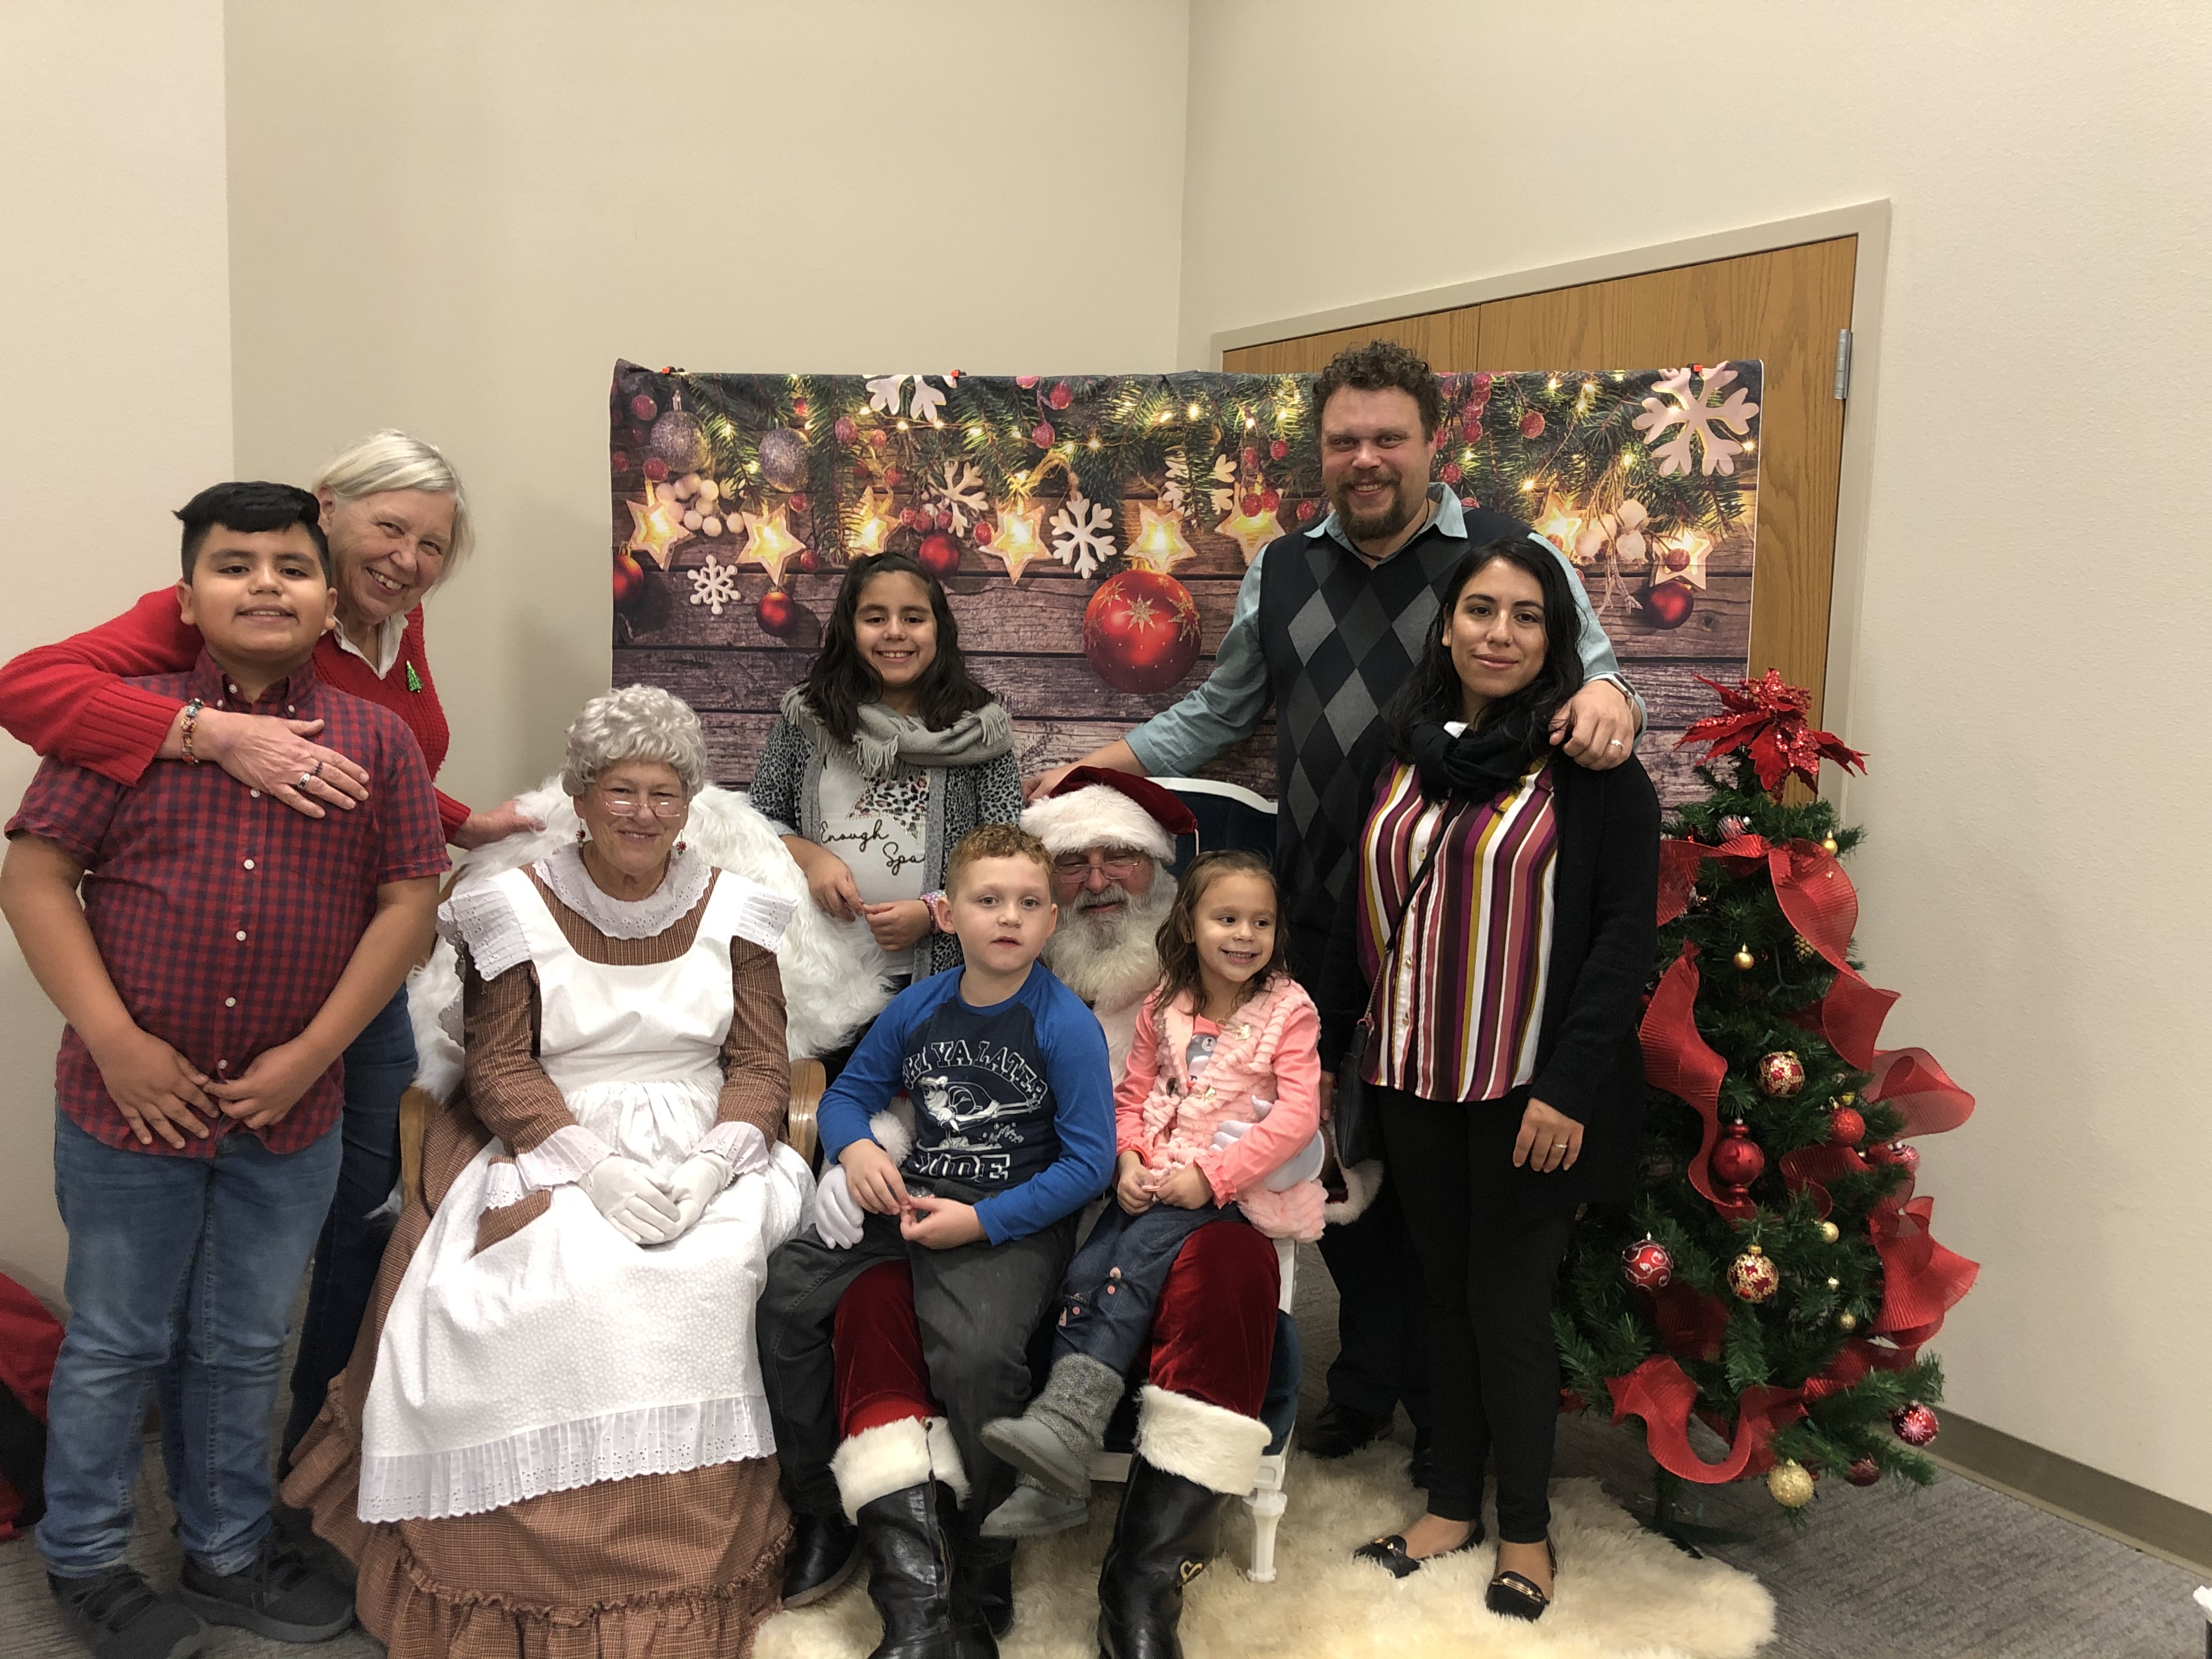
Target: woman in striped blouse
column 1502, row 1059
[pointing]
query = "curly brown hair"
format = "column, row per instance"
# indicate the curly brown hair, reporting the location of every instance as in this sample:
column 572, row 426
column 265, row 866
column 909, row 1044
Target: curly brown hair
column 1178, row 936
column 996, row 841
column 1382, row 366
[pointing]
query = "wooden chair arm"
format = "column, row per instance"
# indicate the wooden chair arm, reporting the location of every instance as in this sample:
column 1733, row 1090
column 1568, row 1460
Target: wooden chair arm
column 416, row 1108
column 808, row 1080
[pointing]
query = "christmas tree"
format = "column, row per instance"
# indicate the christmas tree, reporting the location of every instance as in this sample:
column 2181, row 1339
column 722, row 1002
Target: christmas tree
column 1775, row 1275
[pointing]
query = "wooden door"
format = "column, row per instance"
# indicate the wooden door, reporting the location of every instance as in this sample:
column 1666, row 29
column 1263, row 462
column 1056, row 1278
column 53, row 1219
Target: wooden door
column 1784, row 308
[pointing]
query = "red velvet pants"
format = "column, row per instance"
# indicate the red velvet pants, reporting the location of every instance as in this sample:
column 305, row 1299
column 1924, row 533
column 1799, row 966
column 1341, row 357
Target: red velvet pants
column 1213, row 1336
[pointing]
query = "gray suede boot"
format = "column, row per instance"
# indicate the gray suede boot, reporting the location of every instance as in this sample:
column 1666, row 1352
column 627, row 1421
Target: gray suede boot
column 1055, row 1440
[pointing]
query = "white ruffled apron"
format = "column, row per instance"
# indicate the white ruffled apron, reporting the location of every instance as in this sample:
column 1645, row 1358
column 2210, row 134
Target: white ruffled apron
column 566, row 1355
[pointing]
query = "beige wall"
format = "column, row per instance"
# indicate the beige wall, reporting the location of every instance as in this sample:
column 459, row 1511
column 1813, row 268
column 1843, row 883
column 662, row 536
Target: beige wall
column 2037, row 636
column 115, row 349
column 460, row 223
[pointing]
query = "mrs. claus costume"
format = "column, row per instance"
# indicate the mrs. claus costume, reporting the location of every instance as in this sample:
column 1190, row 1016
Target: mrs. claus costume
column 551, row 1441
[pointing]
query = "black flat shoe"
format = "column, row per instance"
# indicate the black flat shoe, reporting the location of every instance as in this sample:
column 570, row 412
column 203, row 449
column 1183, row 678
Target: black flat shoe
column 1515, row 1596
column 1389, row 1553
column 1342, row 1430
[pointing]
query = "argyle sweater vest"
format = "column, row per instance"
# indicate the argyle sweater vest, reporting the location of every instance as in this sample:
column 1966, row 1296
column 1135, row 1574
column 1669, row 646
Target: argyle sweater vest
column 1340, row 639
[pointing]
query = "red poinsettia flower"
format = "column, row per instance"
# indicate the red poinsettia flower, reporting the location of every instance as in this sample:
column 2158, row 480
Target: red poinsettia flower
column 1766, row 718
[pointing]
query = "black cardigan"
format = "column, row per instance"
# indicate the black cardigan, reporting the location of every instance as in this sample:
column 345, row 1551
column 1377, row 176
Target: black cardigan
column 1605, row 903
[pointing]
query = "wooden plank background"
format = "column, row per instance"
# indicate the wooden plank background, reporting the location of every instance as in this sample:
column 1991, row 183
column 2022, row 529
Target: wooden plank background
column 1023, row 641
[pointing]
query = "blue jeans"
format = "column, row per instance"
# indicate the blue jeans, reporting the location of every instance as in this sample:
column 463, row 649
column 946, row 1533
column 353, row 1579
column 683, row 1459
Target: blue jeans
column 379, row 1064
column 1114, row 1285
column 195, row 1257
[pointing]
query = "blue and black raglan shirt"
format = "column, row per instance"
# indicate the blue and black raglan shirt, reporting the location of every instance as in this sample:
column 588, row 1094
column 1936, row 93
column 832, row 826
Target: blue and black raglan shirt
column 1015, row 1099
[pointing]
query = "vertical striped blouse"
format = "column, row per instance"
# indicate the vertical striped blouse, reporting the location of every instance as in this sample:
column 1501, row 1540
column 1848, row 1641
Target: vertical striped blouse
column 1456, row 1010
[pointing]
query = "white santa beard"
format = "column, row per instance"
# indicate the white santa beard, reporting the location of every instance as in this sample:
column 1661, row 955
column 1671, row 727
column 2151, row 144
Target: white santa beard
column 1112, row 965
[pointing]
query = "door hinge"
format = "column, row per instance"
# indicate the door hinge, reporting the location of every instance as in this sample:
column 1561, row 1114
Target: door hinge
column 1842, row 364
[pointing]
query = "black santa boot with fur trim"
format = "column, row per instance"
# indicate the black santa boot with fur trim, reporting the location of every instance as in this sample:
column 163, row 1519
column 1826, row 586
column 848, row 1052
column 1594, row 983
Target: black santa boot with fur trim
column 1191, row 1458
column 898, row 1481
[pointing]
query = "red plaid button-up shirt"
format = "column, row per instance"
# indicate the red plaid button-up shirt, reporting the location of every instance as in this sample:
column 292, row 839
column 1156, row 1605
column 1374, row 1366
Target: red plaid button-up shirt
column 224, row 917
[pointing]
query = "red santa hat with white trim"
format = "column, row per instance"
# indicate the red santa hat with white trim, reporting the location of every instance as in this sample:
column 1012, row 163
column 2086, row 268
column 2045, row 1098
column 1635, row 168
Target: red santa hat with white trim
column 1093, row 807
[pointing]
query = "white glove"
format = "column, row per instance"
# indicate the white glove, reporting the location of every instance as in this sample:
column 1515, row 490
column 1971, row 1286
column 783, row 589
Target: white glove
column 837, row 1214
column 632, row 1203
column 698, row 1179
column 1305, row 1166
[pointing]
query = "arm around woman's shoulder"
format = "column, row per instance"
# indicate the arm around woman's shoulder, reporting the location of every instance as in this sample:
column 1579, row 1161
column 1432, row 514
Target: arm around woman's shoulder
column 68, row 699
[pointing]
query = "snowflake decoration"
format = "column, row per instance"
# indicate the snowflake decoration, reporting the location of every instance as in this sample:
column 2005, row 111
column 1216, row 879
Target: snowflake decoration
column 927, row 399
column 1699, row 416
column 714, row 585
column 1083, row 534
column 962, row 493
column 883, row 393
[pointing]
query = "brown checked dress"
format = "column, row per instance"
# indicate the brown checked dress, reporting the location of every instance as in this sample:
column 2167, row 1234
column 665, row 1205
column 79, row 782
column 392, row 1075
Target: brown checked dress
column 593, row 1554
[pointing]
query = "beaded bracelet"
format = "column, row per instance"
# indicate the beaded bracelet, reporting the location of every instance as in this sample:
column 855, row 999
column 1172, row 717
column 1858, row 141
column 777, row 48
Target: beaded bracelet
column 191, row 719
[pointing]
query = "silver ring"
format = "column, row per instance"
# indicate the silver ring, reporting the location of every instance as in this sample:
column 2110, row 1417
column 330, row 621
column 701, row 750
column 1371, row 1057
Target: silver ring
column 1559, row 1146
column 1616, row 744
column 306, row 778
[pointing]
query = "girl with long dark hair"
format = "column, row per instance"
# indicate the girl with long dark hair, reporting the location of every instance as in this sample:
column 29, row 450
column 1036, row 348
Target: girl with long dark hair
column 884, row 757
column 1501, row 938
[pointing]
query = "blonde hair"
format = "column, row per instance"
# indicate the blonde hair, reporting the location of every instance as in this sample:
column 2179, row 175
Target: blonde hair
column 391, row 460
column 637, row 723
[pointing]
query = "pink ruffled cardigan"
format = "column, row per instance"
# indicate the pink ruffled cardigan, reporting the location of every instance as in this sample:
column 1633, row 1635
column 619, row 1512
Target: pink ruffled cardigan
column 1266, row 1052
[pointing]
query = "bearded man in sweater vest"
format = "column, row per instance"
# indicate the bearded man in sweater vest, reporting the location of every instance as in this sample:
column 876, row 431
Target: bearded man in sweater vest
column 1327, row 623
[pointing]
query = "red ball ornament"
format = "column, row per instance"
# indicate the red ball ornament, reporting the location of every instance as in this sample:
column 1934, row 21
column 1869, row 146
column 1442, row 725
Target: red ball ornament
column 1025, row 381
column 1667, row 605
column 1737, row 1160
column 1864, row 1472
column 1060, row 396
column 845, row 431
column 939, row 555
column 878, row 437
column 618, row 460
column 1305, row 511
column 1448, row 472
column 1846, row 1126
column 778, row 613
column 1270, row 500
column 1140, row 630
column 1041, row 434
column 1482, row 382
column 892, row 477
column 629, row 580
column 800, row 409
column 1906, row 1157
column 1649, row 1265
column 809, row 561
column 1251, row 457
column 1752, row 1276
column 1250, row 504
column 643, row 408
column 1915, row 1424
column 1732, row 826
column 798, row 503
column 1781, row 1074
column 656, row 468
column 1532, row 424
column 1279, row 449
column 909, row 519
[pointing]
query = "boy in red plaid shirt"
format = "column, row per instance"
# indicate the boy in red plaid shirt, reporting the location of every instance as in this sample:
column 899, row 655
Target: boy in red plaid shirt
column 224, row 951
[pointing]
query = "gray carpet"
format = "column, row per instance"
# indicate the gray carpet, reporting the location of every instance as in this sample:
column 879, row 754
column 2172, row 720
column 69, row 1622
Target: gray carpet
column 1956, row 1572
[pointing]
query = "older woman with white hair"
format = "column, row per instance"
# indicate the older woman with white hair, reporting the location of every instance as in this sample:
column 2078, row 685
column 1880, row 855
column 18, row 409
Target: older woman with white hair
column 554, row 1426
column 399, row 524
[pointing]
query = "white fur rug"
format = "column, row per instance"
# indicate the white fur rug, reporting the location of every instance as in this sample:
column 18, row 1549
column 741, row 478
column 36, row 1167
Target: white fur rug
column 1623, row 1593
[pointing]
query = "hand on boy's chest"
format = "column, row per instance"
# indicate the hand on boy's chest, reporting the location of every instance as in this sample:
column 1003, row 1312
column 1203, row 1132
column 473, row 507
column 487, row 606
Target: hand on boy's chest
column 203, row 817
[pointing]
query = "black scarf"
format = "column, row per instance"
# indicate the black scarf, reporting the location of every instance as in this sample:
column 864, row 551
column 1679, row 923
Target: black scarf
column 1473, row 766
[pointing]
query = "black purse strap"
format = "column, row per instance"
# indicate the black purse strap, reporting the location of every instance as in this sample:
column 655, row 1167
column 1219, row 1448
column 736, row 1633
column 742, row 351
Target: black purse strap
column 1405, row 910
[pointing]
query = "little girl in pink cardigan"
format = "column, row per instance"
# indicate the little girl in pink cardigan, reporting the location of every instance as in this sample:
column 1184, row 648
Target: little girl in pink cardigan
column 1220, row 1105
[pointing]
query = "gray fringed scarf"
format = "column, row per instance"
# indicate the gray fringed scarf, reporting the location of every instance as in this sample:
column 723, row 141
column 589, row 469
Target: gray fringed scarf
column 886, row 741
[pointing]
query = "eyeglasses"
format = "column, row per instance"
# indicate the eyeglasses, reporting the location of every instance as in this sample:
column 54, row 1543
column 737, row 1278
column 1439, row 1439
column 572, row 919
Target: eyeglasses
column 626, row 804
column 1118, row 864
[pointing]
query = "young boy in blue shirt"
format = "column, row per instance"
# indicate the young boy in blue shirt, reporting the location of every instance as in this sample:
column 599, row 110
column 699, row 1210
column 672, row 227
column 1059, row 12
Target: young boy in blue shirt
column 1013, row 1134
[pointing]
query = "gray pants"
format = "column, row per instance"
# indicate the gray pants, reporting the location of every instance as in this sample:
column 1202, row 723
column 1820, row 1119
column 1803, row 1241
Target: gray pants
column 977, row 1307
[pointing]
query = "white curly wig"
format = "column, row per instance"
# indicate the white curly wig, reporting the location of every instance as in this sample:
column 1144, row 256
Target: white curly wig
column 638, row 722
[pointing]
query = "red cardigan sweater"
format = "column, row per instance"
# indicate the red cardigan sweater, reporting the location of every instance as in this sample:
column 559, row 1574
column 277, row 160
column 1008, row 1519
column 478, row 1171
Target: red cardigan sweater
column 70, row 700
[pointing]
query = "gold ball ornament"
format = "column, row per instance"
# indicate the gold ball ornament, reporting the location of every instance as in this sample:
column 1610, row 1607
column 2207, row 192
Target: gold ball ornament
column 1829, row 845
column 1752, row 1276
column 1830, row 1232
column 1806, row 948
column 1835, row 1284
column 1790, row 1484
column 1744, row 958
column 1847, row 1321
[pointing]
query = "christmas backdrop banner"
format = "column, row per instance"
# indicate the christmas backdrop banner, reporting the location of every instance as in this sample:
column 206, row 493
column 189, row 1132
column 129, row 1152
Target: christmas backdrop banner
column 1091, row 529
